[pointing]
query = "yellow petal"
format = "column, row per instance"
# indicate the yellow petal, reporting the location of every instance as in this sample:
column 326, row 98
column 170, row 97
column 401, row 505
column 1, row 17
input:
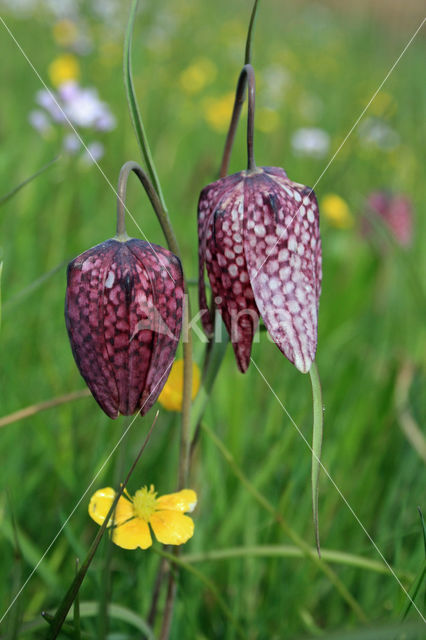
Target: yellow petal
column 184, row 500
column 171, row 527
column 100, row 504
column 171, row 395
column 63, row 69
column 132, row 534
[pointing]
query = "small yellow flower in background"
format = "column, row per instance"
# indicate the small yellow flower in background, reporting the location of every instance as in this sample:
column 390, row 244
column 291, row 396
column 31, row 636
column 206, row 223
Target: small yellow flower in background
column 65, row 32
column 267, row 120
column 135, row 515
column 64, row 68
column 195, row 77
column 337, row 212
column 218, row 111
column 171, row 396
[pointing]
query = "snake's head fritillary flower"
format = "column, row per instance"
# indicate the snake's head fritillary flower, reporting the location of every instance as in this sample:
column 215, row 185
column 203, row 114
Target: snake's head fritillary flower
column 136, row 515
column 123, row 313
column 259, row 239
column 171, row 397
column 396, row 211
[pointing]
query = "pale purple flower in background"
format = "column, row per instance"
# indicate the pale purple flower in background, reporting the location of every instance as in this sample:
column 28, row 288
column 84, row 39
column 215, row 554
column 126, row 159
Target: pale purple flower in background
column 374, row 131
column 71, row 143
column 310, row 142
column 79, row 107
column 93, row 153
column 49, row 101
column 39, row 120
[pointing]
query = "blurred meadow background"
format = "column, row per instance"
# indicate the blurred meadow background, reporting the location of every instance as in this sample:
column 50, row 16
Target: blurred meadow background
column 317, row 66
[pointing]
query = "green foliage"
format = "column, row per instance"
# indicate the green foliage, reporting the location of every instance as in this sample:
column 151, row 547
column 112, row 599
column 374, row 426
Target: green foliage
column 371, row 330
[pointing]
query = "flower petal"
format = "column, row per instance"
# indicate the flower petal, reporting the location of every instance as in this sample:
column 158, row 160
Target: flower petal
column 183, row 501
column 171, row 396
column 165, row 272
column 228, row 275
column 208, row 202
column 132, row 534
column 100, row 504
column 283, row 252
column 171, row 527
column 84, row 320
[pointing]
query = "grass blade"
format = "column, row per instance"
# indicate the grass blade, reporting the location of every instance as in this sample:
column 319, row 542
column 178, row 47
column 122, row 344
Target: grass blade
column 35, row 175
column 317, row 433
column 133, row 105
column 67, row 601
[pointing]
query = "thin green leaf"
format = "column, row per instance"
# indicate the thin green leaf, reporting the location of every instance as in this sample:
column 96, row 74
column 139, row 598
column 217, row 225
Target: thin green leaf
column 420, row 578
column 67, row 601
column 15, row 190
column 133, row 106
column 317, row 433
column 291, row 551
column 1, row 271
column 76, row 612
column 89, row 609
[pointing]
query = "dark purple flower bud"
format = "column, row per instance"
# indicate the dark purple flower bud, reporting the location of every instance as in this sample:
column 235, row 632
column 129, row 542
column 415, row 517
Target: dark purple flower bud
column 259, row 239
column 123, row 313
column 396, row 211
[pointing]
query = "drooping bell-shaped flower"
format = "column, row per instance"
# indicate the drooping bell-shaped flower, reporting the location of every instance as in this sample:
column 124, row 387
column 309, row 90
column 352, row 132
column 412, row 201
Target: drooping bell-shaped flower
column 259, row 239
column 123, row 312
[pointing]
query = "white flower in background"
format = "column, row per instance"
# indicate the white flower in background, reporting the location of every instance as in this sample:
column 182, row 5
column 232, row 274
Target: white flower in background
column 310, row 142
column 374, row 131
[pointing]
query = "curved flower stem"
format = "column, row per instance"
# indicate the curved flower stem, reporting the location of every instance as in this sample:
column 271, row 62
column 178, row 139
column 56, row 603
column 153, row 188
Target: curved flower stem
column 246, row 77
column 298, row 541
column 152, row 194
column 317, row 431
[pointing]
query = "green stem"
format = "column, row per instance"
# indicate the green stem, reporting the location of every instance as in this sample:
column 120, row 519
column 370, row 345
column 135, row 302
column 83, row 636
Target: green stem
column 63, row 609
column 246, row 77
column 151, row 192
column 133, row 106
column 299, row 542
column 178, row 561
column 247, row 57
column 317, row 432
column 153, row 189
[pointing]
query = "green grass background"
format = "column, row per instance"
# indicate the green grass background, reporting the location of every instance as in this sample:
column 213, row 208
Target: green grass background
column 371, row 325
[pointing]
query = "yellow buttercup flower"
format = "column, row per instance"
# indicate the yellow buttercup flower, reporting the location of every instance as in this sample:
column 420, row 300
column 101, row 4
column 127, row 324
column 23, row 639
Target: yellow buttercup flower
column 135, row 515
column 171, row 396
column 336, row 210
column 218, row 111
column 65, row 32
column 195, row 77
column 64, row 68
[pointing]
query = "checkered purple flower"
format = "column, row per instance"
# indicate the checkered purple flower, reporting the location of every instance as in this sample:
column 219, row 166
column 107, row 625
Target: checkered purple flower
column 123, row 313
column 259, row 240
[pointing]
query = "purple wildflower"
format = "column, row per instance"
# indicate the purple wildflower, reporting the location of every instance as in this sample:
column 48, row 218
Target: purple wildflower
column 259, row 239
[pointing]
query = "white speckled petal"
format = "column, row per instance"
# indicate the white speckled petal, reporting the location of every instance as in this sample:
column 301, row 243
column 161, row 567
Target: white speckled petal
column 283, row 252
column 208, row 202
column 228, row 275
